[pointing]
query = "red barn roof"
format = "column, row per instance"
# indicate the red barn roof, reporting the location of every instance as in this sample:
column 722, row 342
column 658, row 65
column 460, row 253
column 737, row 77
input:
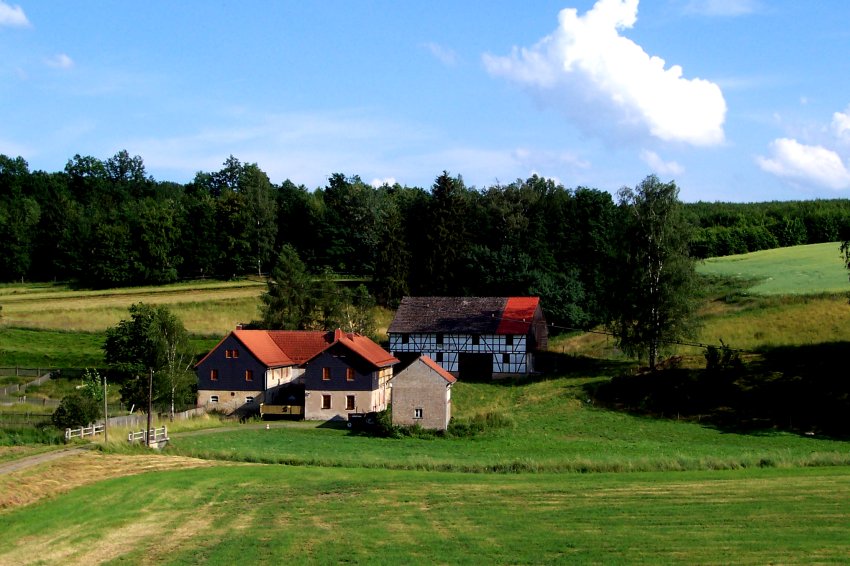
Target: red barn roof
column 469, row 315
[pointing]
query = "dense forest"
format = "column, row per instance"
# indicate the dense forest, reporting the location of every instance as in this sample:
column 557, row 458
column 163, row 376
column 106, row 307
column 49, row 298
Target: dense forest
column 104, row 223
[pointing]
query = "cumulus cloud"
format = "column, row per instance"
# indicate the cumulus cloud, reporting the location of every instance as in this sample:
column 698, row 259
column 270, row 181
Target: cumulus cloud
column 443, row 54
column 12, row 16
column 660, row 166
column 609, row 86
column 60, row 61
column 841, row 126
column 806, row 164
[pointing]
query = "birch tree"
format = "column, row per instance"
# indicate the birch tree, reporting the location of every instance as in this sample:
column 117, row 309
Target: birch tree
column 652, row 299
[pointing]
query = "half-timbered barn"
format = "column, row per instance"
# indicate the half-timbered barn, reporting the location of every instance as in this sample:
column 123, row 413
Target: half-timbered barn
column 326, row 374
column 473, row 337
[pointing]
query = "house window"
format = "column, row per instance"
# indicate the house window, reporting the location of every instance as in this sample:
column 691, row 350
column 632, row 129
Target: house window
column 326, row 374
column 326, row 401
column 235, row 353
column 249, row 399
column 506, row 358
column 440, row 338
column 509, row 340
column 417, row 413
column 349, row 402
column 476, row 339
column 213, row 398
column 227, row 353
column 349, row 374
column 405, row 338
column 249, row 375
column 439, row 357
column 213, row 375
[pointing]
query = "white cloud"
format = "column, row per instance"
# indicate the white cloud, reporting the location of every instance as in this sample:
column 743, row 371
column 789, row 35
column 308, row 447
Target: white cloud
column 60, row 61
column 841, row 126
column 385, row 181
column 12, row 16
column 722, row 7
column 445, row 55
column 609, row 86
column 660, row 166
column 809, row 164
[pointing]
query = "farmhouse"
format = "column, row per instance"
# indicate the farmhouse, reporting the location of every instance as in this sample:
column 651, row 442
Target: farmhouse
column 422, row 394
column 479, row 337
column 326, row 374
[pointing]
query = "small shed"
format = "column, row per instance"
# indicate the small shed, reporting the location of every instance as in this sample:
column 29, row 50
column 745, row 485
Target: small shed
column 422, row 394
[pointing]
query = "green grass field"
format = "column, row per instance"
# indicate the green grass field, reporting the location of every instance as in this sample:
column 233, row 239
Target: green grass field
column 231, row 514
column 798, row 270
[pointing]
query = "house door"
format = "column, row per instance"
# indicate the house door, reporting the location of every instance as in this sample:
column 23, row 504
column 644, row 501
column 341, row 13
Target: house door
column 475, row 367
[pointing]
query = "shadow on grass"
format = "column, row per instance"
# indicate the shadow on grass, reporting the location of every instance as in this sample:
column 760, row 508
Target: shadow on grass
column 803, row 389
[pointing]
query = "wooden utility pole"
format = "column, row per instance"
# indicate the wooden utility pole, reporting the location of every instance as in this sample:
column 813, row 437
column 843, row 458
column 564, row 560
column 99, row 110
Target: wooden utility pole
column 105, row 414
column 150, row 409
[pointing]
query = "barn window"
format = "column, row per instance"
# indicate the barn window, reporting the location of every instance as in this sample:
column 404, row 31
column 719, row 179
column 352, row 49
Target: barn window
column 417, row 413
column 405, row 338
column 227, row 353
column 249, row 375
column 506, row 358
column 213, row 375
column 509, row 340
column 235, row 353
column 476, row 339
column 439, row 357
column 349, row 374
column 326, row 401
column 213, row 398
column 349, row 402
column 439, row 338
column 249, row 399
column 326, row 374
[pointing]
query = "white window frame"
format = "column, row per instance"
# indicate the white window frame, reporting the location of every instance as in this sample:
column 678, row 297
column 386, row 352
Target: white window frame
column 213, row 398
column 417, row 413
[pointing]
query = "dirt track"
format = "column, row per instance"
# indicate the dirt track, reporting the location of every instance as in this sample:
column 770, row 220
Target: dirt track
column 37, row 459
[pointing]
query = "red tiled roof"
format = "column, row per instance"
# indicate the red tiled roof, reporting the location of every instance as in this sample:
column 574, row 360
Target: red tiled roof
column 276, row 348
column 263, row 347
column 365, row 348
column 518, row 315
column 300, row 345
column 437, row 368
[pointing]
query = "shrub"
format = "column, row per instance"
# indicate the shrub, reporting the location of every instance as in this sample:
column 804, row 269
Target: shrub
column 76, row 410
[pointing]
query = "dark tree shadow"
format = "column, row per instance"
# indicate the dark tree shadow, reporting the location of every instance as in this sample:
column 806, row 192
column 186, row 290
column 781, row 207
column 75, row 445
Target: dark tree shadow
column 804, row 389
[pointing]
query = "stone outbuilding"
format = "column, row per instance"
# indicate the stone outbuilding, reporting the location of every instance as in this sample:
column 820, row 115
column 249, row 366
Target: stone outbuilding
column 422, row 394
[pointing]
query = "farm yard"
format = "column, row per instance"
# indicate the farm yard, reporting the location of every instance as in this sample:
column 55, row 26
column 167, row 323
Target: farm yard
column 543, row 470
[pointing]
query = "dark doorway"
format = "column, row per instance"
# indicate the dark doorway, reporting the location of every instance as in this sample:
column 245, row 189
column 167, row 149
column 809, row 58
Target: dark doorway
column 475, row 367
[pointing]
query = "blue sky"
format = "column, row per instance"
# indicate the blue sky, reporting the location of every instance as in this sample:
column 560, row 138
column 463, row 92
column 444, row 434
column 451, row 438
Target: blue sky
column 740, row 100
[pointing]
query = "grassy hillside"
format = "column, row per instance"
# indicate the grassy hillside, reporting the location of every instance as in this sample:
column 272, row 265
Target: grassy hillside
column 798, row 270
column 206, row 307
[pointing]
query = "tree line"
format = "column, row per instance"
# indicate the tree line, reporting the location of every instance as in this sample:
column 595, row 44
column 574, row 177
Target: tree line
column 106, row 223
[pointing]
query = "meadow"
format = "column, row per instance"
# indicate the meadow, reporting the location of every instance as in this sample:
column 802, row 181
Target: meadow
column 799, row 270
column 561, row 479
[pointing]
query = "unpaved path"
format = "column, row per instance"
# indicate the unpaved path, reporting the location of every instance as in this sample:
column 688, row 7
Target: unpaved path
column 36, row 459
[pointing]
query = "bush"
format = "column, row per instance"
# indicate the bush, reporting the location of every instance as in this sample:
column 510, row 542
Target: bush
column 76, row 410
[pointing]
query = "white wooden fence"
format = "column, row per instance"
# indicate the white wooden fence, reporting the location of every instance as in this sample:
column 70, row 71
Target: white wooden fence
column 156, row 435
column 82, row 432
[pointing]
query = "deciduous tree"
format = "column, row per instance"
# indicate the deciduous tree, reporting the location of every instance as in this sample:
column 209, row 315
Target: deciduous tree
column 652, row 300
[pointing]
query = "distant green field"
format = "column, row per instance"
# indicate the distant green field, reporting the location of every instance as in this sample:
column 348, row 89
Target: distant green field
column 798, row 270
